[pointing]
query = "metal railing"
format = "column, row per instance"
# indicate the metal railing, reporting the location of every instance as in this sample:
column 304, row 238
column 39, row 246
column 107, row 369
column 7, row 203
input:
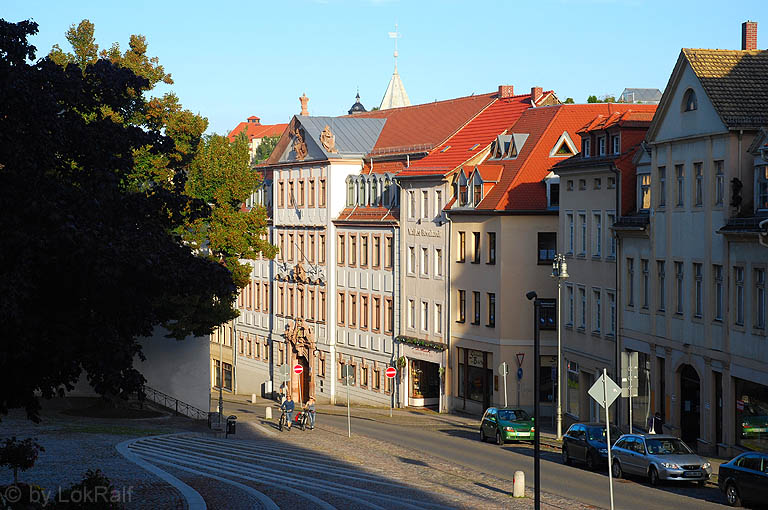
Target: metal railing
column 172, row 403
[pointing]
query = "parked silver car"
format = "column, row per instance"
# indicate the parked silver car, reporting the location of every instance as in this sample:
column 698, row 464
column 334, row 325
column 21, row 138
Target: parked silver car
column 658, row 457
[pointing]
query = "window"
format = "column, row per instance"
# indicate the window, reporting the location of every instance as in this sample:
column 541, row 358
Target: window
column 342, row 311
column 281, row 194
column 389, row 251
column 462, row 247
column 425, row 261
column 492, row 309
column 645, row 191
column 425, row 316
column 352, row 310
column 375, row 198
column 616, row 144
column 646, row 282
column 630, row 282
column 662, row 171
column 698, row 293
column 719, row 183
column 596, row 311
column 411, row 259
column 341, row 249
column 438, row 318
column 554, row 194
column 761, row 188
column 491, row 247
column 364, row 376
column 376, row 255
column 680, row 176
column 698, row 198
column 569, row 219
column 321, row 249
column 312, row 247
column 476, row 298
column 689, row 101
column 548, row 315
column 389, row 315
column 411, row 204
column 612, row 246
column 321, row 307
column 477, row 194
column 376, row 315
column 311, row 311
column 364, row 312
column 612, row 313
column 583, row 226
column 717, row 277
column 738, row 278
column 377, row 379
column 583, row 310
column 597, row 183
column 569, row 185
column 364, row 250
column 302, row 192
column 611, row 183
column 425, row 204
column 476, row 245
column 463, row 195
column 601, row 145
column 412, row 314
column 660, row 270
column 291, row 194
column 321, row 197
column 311, row 197
column 462, row 302
column 290, row 246
column 759, row 314
column 438, row 202
column 438, row 262
column 582, row 184
column 585, row 148
column 570, row 305
column 350, row 192
column 598, row 226
column 679, row 280
column 352, row 249
column 547, row 244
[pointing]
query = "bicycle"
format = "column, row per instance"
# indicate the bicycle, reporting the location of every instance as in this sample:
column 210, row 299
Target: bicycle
column 301, row 419
column 283, row 421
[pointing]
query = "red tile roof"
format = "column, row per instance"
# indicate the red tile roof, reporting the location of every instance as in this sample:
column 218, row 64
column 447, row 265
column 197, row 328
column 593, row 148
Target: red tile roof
column 475, row 136
column 489, row 173
column 368, row 214
column 637, row 114
column 256, row 130
column 384, row 167
column 521, row 187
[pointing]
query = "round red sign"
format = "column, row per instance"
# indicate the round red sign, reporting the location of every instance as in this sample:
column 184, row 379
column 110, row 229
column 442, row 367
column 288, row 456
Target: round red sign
column 298, row 368
column 391, row 372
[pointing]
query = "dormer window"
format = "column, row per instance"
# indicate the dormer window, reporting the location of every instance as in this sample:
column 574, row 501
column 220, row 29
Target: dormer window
column 761, row 188
column 375, row 192
column 616, row 144
column 585, row 148
column 552, row 181
column 350, row 192
column 689, row 101
column 463, row 195
column 645, row 191
column 478, row 194
column 601, row 145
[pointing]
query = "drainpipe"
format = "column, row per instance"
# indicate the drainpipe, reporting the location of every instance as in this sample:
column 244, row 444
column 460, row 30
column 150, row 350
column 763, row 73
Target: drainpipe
column 617, row 359
column 448, row 355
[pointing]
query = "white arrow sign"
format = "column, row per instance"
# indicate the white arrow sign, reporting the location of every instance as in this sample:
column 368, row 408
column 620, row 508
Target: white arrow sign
column 611, row 390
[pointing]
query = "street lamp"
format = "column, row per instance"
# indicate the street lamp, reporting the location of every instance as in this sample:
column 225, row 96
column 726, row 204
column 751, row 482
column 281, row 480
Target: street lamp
column 531, row 295
column 559, row 273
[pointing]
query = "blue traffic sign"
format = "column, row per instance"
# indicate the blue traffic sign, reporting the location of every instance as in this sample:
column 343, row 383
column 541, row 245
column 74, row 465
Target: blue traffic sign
column 519, row 373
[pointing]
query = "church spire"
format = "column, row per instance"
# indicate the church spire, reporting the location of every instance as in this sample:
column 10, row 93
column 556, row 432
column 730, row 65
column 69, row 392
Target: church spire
column 395, row 96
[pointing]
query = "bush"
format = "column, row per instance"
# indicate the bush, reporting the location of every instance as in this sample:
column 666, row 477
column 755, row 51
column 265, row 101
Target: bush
column 19, row 455
column 93, row 492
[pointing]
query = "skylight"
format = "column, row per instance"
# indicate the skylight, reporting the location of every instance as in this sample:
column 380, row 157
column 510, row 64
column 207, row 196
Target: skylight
column 445, row 148
column 474, row 147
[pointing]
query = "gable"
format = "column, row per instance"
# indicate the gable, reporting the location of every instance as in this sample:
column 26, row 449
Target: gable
column 672, row 122
column 564, row 147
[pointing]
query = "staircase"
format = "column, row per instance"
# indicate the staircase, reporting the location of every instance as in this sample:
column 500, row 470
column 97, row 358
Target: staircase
column 179, row 408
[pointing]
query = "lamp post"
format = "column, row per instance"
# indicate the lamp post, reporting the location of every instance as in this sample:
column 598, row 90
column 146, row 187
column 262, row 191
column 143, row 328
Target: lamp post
column 559, row 273
column 536, row 421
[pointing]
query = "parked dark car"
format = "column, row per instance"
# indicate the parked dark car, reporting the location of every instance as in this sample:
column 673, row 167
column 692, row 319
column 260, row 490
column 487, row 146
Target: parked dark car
column 506, row 425
column 586, row 442
column 744, row 479
column 659, row 457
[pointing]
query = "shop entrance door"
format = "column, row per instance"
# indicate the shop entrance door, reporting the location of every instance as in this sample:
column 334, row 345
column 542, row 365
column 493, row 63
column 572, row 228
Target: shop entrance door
column 690, row 390
column 424, row 381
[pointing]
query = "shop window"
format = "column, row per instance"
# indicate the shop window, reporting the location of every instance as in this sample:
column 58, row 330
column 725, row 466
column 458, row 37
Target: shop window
column 751, row 415
column 572, row 390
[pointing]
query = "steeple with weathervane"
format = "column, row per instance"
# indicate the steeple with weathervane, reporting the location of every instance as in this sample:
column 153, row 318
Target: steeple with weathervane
column 395, row 96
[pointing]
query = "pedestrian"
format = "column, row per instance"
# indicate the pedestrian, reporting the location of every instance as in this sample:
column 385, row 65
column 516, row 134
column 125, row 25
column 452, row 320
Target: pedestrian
column 310, row 408
column 655, row 424
column 288, row 406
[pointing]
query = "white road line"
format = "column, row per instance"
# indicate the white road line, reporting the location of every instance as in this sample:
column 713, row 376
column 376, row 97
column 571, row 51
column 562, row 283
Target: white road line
column 194, row 500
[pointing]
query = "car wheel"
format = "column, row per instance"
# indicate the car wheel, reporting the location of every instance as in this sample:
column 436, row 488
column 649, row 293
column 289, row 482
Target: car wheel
column 566, row 458
column 616, row 470
column 653, row 476
column 732, row 495
column 590, row 462
column 499, row 439
column 482, row 435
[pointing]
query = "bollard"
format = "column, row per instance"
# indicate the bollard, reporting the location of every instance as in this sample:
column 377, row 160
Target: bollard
column 268, row 415
column 518, row 485
column 253, row 398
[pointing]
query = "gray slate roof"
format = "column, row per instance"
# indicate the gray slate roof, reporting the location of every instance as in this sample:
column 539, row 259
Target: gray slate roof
column 641, row 95
column 354, row 137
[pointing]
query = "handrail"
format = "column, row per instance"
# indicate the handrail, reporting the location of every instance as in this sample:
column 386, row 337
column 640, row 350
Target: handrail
column 173, row 403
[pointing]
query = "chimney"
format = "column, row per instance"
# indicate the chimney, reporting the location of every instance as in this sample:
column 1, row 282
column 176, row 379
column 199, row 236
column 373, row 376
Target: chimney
column 536, row 93
column 749, row 35
column 304, row 100
column 506, row 91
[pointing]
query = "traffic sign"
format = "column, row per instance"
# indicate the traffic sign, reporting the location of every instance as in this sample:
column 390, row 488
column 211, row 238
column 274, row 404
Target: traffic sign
column 520, row 356
column 519, row 373
column 391, row 372
column 297, row 369
column 503, row 368
column 612, row 391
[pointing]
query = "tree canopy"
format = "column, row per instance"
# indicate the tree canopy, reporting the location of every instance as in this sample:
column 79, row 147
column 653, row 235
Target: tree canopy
column 265, row 148
column 95, row 210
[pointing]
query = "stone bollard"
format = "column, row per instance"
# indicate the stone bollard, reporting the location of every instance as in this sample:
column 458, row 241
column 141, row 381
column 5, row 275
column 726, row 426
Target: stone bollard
column 518, row 485
column 268, row 415
column 253, row 398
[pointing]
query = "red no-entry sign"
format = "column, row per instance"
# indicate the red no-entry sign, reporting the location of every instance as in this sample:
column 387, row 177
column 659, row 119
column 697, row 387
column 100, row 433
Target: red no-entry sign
column 298, row 368
column 391, row 372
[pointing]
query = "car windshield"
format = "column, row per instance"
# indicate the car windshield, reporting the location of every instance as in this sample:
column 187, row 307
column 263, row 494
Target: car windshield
column 667, row 447
column 517, row 415
column 598, row 434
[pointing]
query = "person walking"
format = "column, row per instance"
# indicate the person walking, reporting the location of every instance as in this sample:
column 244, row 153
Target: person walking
column 288, row 406
column 655, row 424
column 310, row 408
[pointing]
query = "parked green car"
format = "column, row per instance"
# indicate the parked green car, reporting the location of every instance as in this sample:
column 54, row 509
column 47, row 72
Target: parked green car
column 506, row 425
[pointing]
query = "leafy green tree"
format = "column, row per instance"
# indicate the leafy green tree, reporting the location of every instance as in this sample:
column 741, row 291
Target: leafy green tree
column 265, row 148
column 568, row 100
column 592, row 99
column 606, row 99
column 89, row 260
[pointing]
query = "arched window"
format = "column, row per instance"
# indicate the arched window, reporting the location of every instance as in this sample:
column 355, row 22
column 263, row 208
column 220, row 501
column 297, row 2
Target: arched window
column 375, row 191
column 361, row 198
column 689, row 101
column 386, row 195
column 350, row 192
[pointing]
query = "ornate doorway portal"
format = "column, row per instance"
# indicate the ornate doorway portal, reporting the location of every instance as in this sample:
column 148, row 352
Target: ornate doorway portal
column 301, row 349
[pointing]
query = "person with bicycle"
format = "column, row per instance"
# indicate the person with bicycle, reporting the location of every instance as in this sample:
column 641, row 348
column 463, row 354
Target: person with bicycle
column 309, row 408
column 288, row 406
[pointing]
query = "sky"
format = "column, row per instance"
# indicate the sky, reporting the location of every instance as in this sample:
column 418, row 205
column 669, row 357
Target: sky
column 231, row 60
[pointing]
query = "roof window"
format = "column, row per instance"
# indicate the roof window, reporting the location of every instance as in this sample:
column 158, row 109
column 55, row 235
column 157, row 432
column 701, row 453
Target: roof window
column 689, row 101
column 445, row 149
column 474, row 147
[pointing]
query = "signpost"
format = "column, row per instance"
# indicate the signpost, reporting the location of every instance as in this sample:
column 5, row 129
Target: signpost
column 520, row 357
column 298, row 369
column 605, row 392
column 503, row 371
column 346, row 373
column 284, row 371
column 629, row 383
column 391, row 373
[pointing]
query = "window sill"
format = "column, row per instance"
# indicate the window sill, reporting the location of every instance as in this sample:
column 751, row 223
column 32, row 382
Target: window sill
column 461, row 321
column 475, row 323
column 490, row 325
column 597, row 257
column 569, row 326
column 491, row 263
column 596, row 334
column 475, row 262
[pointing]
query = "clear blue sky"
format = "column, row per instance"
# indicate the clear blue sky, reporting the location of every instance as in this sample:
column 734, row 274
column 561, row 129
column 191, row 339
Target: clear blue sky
column 230, row 60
